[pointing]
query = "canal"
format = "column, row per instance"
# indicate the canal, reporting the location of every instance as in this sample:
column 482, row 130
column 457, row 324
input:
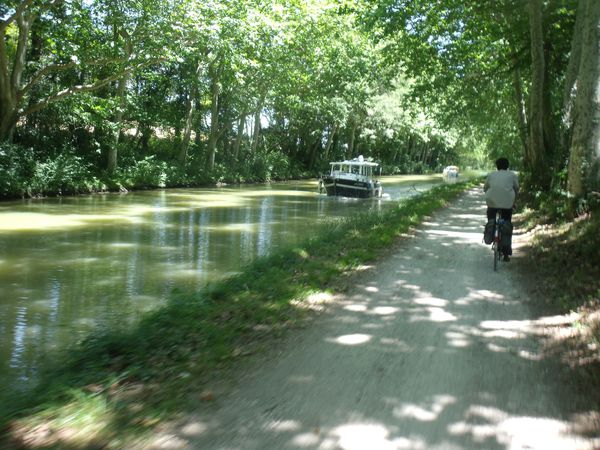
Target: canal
column 70, row 265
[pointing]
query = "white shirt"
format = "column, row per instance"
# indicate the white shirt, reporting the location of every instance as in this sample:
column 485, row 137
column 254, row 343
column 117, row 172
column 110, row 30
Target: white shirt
column 501, row 188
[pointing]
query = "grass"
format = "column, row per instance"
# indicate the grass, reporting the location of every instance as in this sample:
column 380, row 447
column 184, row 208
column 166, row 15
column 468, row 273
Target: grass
column 563, row 275
column 117, row 385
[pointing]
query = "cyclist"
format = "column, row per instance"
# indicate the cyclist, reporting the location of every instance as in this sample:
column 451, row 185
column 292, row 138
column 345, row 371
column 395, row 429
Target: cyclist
column 501, row 188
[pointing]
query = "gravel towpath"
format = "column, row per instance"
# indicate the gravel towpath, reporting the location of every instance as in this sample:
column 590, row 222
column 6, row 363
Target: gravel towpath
column 430, row 349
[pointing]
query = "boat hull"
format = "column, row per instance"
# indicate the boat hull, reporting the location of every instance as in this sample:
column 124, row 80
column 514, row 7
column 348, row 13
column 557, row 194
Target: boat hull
column 351, row 188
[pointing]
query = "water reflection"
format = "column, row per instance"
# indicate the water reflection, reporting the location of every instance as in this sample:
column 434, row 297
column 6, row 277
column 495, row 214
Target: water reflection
column 69, row 265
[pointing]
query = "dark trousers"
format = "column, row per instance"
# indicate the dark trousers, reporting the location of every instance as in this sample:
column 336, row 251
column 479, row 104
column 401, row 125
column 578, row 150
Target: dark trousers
column 505, row 214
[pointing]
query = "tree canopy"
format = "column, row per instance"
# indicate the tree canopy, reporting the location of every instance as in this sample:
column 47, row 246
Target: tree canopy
column 184, row 92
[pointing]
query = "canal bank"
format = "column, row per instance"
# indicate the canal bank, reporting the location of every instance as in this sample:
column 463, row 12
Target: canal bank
column 71, row 265
column 171, row 347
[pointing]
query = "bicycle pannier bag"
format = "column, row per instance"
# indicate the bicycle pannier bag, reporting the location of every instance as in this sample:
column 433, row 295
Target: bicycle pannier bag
column 488, row 232
column 506, row 234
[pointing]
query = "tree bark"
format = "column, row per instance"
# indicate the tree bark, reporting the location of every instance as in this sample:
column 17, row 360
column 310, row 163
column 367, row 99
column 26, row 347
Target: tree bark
column 570, row 87
column 584, row 160
column 535, row 156
column 121, row 95
column 190, row 107
column 332, row 132
column 215, row 91
column 10, row 78
column 351, row 138
column 257, row 126
column 520, row 104
column 239, row 136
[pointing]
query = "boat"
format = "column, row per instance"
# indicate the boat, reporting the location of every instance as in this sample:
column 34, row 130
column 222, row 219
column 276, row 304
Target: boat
column 352, row 178
column 450, row 172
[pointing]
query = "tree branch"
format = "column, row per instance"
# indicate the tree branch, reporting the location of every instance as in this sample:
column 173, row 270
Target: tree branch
column 65, row 66
column 22, row 7
column 85, row 87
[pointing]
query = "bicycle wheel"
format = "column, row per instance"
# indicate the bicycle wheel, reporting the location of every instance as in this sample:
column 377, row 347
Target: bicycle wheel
column 496, row 246
column 496, row 254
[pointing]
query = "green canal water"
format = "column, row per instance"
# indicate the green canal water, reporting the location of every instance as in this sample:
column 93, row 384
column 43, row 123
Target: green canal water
column 70, row 265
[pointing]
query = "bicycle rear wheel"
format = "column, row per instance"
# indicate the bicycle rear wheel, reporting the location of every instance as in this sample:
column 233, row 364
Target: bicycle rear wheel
column 496, row 255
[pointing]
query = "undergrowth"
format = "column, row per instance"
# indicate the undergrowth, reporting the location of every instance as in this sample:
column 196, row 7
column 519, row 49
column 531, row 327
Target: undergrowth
column 118, row 384
column 563, row 272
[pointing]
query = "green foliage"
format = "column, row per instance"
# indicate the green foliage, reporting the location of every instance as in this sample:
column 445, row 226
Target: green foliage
column 24, row 173
column 17, row 166
column 147, row 172
column 67, row 174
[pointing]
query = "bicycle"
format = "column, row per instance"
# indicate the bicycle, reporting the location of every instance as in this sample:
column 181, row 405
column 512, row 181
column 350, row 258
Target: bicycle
column 496, row 243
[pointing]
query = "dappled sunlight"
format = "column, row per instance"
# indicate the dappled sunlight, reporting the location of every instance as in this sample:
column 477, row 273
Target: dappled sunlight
column 431, row 301
column 484, row 422
column 352, row 339
column 356, row 308
column 276, row 193
column 385, row 310
column 424, row 413
column 458, row 339
column 118, row 245
column 24, row 221
column 360, row 436
column 205, row 199
column 195, row 428
column 247, row 227
column 518, row 327
column 280, row 426
column 464, row 235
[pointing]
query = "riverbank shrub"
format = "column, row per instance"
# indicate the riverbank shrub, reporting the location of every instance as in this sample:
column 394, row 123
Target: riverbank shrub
column 142, row 374
column 67, row 174
column 24, row 174
column 17, row 167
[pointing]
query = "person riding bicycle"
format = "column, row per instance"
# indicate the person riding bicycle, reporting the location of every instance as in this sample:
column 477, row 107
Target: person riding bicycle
column 501, row 188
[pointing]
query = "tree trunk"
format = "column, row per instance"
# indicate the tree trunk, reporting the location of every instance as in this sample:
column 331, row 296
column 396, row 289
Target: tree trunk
column 211, row 148
column 330, row 136
column 547, row 119
column 584, row 161
column 534, row 158
column 313, row 153
column 190, row 107
column 10, row 80
column 351, row 138
column 121, row 95
column 114, row 148
column 239, row 136
column 257, row 114
column 520, row 105
column 570, row 88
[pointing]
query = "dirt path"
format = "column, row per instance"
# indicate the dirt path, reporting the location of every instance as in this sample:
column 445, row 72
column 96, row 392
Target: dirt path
column 430, row 350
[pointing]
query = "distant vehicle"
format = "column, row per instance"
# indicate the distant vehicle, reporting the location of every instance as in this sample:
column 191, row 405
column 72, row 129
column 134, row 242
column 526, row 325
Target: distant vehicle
column 353, row 178
column 451, row 172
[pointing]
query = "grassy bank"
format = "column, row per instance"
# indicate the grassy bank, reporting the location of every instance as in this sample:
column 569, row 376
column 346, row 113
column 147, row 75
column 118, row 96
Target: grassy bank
column 119, row 384
column 562, row 269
